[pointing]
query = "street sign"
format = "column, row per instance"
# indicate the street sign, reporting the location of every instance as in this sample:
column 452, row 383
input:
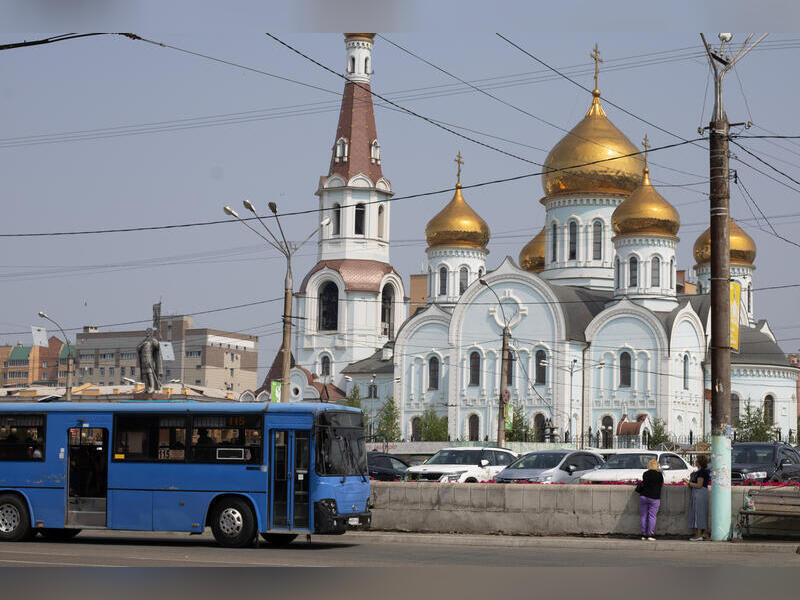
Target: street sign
column 39, row 335
column 506, row 396
column 736, row 296
column 167, row 352
column 275, row 392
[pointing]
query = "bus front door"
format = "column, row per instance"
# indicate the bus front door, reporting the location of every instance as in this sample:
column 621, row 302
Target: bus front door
column 289, row 480
column 87, row 477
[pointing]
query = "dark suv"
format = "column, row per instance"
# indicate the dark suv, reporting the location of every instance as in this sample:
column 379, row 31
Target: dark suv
column 385, row 467
column 764, row 461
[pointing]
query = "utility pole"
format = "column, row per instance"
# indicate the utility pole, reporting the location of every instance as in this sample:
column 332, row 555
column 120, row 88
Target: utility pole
column 719, row 200
column 503, row 400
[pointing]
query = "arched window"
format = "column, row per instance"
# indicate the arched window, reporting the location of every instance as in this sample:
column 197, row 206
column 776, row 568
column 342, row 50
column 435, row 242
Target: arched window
column 769, row 409
column 686, row 371
column 672, row 274
column 375, row 151
column 387, row 311
column 474, row 369
column 431, row 288
column 381, row 222
column 655, row 272
column 617, row 277
column 541, row 367
column 336, row 219
column 538, row 428
column 328, row 310
column 633, row 275
column 734, row 409
column 325, row 366
column 463, row 279
column 573, row 240
column 415, row 423
column 443, row 281
column 607, row 429
column 340, row 152
column 749, row 297
column 597, row 240
column 433, row 373
column 510, row 371
column 361, row 212
column 366, row 65
column 351, row 68
column 554, row 243
column 625, row 369
column 474, row 428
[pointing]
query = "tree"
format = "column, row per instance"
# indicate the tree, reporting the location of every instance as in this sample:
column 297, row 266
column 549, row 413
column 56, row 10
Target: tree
column 753, row 426
column 388, row 422
column 520, row 430
column 354, row 399
column 433, row 428
column 659, row 435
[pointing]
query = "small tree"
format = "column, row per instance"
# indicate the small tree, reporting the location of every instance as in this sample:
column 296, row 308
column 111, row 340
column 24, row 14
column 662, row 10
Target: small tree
column 433, row 428
column 388, row 422
column 354, row 399
column 520, row 430
column 659, row 435
column 753, row 426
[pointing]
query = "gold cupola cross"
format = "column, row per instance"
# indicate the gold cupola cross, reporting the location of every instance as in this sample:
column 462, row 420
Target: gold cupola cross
column 595, row 55
column 460, row 162
column 646, row 145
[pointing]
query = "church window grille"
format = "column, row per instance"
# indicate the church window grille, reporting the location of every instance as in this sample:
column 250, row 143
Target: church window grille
column 597, row 241
column 655, row 272
column 633, row 275
column 325, row 366
column 433, row 373
column 336, row 219
column 734, row 409
column 381, row 222
column 463, row 279
column 329, row 307
column 443, row 281
column 573, row 240
column 769, row 409
column 474, row 428
column 686, row 371
column 387, row 311
column 625, row 369
column 474, row 369
column 361, row 213
column 541, row 367
column 554, row 243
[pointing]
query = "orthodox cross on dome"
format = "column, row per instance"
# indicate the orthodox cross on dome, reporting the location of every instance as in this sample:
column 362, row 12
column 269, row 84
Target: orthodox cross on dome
column 460, row 162
column 595, row 55
column 646, row 145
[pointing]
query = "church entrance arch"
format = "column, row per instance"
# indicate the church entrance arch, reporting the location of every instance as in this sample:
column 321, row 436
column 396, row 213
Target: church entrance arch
column 415, row 422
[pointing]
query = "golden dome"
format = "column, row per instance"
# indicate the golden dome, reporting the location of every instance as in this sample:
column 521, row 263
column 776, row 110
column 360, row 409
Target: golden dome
column 366, row 36
column 743, row 248
column 457, row 225
column 531, row 257
column 595, row 138
column 646, row 211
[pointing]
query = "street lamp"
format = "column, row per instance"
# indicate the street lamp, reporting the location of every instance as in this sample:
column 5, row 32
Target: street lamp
column 287, row 250
column 572, row 369
column 68, row 383
column 501, row 414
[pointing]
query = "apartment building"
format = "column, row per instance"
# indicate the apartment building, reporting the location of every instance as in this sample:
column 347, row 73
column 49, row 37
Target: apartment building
column 30, row 365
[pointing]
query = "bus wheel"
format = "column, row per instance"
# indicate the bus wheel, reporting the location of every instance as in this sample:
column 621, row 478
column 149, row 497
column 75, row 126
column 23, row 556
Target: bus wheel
column 15, row 523
column 234, row 524
column 59, row 534
column 279, row 539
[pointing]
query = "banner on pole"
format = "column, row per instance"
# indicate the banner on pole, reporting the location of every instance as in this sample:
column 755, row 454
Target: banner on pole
column 275, row 392
column 39, row 335
column 509, row 416
column 736, row 296
column 167, row 351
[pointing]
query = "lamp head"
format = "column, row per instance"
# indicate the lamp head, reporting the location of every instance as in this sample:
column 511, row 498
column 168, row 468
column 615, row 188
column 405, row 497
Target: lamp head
column 483, row 282
column 725, row 37
column 42, row 315
column 325, row 222
column 230, row 212
column 249, row 206
column 273, row 207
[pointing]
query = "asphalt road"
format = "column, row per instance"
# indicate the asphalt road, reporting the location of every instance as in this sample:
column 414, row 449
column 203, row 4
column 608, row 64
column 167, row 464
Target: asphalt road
column 96, row 549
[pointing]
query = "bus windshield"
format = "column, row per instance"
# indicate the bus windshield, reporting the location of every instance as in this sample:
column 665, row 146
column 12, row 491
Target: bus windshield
column 340, row 444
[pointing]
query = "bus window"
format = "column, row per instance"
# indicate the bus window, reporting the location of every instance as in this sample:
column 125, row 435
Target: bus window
column 226, row 438
column 171, row 438
column 22, row 437
column 150, row 438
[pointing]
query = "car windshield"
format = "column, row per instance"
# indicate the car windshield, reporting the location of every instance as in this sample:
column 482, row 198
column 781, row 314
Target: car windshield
column 455, row 457
column 752, row 455
column 538, row 460
column 629, row 461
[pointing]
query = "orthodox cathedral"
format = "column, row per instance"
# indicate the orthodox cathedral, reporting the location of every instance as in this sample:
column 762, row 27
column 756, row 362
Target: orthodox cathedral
column 601, row 341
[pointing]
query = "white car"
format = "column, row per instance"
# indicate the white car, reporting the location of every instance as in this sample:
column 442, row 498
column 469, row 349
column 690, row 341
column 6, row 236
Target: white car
column 629, row 465
column 462, row 465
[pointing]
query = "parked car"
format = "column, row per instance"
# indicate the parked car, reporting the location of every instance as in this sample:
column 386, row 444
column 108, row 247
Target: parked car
column 764, row 461
column 550, row 466
column 628, row 465
column 385, row 467
column 462, row 465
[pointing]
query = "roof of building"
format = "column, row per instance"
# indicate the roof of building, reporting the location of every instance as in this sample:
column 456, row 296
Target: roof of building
column 626, row 427
column 20, row 353
column 372, row 364
column 758, row 348
column 580, row 305
column 359, row 275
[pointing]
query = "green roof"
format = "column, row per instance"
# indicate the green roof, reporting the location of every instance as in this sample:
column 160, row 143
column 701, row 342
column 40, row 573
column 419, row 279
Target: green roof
column 20, row 353
column 64, row 353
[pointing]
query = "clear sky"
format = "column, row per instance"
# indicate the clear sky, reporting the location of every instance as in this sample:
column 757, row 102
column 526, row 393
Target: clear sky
column 168, row 138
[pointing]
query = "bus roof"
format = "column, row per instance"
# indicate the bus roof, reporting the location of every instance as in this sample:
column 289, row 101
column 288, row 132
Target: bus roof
column 158, row 406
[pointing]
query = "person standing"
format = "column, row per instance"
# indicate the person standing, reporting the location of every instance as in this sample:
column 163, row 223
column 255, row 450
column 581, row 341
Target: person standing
column 650, row 499
column 698, row 504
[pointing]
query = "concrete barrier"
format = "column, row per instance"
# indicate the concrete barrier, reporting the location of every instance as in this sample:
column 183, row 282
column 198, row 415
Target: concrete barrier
column 547, row 510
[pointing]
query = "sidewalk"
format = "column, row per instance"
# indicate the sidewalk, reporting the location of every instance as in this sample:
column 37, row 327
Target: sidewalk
column 583, row 543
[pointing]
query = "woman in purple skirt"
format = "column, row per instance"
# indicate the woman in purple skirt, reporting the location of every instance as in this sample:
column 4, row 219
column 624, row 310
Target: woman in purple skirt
column 650, row 499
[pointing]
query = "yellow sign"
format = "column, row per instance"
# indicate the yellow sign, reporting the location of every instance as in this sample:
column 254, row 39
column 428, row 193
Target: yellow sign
column 736, row 297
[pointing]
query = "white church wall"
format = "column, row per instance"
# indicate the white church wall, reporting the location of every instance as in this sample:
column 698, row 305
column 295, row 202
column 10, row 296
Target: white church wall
column 754, row 383
column 685, row 401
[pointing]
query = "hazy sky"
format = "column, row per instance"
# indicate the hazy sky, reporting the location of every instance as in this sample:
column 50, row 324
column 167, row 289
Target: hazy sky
column 224, row 134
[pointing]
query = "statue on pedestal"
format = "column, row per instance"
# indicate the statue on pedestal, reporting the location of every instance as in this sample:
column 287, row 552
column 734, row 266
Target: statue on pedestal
column 150, row 362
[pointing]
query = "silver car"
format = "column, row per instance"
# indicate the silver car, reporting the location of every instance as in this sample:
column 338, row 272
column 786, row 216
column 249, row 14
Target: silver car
column 550, row 466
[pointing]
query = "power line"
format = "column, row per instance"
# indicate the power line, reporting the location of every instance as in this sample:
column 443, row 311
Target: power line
column 762, row 161
column 57, row 38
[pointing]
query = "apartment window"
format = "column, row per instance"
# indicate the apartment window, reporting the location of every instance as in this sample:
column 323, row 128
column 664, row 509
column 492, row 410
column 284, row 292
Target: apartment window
column 111, row 371
column 197, row 382
column 107, row 356
column 127, row 355
column 198, row 366
column 91, row 371
column 194, row 354
column 102, row 371
column 231, row 372
column 44, row 364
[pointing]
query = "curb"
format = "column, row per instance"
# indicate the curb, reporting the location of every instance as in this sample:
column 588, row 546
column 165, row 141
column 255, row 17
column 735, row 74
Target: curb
column 457, row 539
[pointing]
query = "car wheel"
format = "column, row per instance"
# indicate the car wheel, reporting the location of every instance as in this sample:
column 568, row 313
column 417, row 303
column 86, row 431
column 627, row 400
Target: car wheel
column 58, row 534
column 470, row 480
column 233, row 523
column 15, row 522
column 279, row 539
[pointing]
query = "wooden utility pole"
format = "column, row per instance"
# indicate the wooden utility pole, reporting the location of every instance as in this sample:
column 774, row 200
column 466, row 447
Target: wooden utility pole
column 503, row 404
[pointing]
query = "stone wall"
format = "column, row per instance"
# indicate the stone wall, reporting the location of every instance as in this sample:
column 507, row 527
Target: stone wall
column 545, row 510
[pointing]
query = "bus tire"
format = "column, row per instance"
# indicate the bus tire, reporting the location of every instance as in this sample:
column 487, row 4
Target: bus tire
column 233, row 523
column 279, row 539
column 55, row 534
column 15, row 521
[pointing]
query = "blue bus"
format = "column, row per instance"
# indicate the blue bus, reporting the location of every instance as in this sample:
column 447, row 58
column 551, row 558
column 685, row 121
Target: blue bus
column 242, row 469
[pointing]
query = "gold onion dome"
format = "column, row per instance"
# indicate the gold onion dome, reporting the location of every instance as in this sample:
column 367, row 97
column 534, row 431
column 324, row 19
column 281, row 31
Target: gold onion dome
column 531, row 257
column 645, row 211
column 742, row 252
column 594, row 139
column 367, row 36
column 457, row 225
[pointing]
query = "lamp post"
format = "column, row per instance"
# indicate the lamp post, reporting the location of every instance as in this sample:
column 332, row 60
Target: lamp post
column 68, row 383
column 501, row 413
column 287, row 250
column 572, row 369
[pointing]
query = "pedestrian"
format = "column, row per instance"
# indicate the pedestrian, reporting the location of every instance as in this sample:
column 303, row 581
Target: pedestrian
column 650, row 499
column 698, row 504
